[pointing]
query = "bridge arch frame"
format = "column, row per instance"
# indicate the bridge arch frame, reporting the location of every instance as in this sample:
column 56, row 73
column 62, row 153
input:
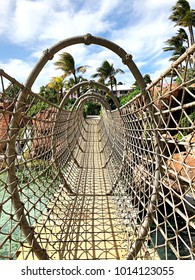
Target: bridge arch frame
column 48, row 54
column 87, row 39
column 91, row 84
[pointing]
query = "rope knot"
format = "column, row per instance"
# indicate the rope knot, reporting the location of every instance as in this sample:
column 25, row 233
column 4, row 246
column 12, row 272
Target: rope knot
column 87, row 39
column 48, row 54
column 127, row 58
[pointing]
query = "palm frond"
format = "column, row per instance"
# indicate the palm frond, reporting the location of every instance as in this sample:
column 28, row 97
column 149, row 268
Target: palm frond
column 82, row 69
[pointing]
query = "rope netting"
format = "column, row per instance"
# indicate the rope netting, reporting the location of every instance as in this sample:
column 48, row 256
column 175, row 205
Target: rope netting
column 119, row 186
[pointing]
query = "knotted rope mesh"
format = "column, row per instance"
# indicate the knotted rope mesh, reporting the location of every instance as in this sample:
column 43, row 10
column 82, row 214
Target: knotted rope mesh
column 121, row 186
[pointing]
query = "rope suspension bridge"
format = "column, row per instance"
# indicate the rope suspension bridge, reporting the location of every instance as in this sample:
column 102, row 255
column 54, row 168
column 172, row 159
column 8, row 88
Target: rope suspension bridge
column 119, row 186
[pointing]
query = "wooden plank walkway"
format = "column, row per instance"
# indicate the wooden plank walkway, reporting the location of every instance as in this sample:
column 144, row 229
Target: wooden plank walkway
column 85, row 225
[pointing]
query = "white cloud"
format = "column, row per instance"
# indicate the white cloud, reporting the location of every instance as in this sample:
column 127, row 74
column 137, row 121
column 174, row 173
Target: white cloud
column 17, row 69
column 160, row 65
column 28, row 19
column 5, row 12
column 140, row 29
column 65, row 24
column 146, row 36
column 39, row 20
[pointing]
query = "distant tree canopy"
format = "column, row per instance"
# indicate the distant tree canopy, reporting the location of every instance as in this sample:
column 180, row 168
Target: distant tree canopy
column 125, row 99
column 67, row 64
column 10, row 92
column 91, row 108
column 107, row 72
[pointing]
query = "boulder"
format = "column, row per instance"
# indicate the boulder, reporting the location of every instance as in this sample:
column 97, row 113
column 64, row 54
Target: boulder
column 42, row 125
column 182, row 164
column 167, row 144
column 163, row 96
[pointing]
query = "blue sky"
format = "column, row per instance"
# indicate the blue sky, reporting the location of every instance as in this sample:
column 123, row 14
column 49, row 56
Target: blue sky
column 28, row 27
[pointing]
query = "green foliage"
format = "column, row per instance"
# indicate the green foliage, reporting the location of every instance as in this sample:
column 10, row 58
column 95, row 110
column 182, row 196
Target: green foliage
column 110, row 102
column 67, row 64
column 185, row 123
column 107, row 71
column 183, row 16
column 91, row 108
column 38, row 105
column 187, row 76
column 70, row 103
column 177, row 44
column 179, row 136
column 11, row 92
column 50, row 94
column 36, row 108
column 127, row 98
column 147, row 80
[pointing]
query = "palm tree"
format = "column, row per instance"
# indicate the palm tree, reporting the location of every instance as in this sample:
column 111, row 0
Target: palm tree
column 57, row 84
column 183, row 15
column 107, row 71
column 178, row 44
column 66, row 63
column 147, row 80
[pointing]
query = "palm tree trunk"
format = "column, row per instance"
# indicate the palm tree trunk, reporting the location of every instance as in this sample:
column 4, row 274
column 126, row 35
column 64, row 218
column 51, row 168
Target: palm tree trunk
column 61, row 94
column 191, row 35
column 76, row 82
column 111, row 84
column 191, row 43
